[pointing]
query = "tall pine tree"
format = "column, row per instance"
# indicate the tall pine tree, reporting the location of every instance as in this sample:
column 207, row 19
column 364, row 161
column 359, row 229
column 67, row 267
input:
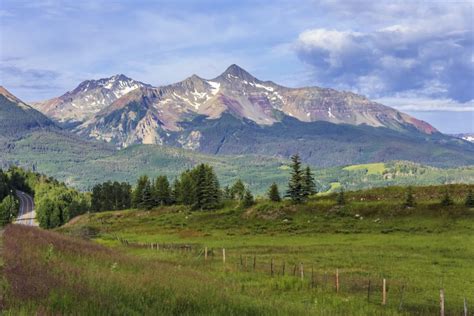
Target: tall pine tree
column 206, row 187
column 137, row 194
column 161, row 191
column 147, row 201
column 309, row 186
column 295, row 185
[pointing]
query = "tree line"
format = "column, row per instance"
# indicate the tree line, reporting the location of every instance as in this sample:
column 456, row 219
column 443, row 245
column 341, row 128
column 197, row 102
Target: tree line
column 8, row 200
column 198, row 187
column 55, row 202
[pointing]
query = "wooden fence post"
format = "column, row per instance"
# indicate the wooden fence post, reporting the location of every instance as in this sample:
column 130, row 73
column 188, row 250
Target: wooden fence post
column 223, row 255
column 302, row 271
column 254, row 262
column 241, row 263
column 205, row 253
column 441, row 302
column 337, row 280
column 465, row 307
column 294, row 271
column 384, row 292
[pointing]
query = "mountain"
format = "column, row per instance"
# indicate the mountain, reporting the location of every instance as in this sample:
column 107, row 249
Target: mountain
column 148, row 114
column 31, row 140
column 18, row 118
column 90, row 97
column 465, row 136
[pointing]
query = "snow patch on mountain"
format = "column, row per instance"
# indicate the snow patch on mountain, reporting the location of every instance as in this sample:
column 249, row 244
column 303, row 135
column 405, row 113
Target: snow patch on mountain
column 215, row 86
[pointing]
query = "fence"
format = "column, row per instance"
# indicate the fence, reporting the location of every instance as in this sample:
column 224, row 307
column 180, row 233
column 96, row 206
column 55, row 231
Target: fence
column 376, row 288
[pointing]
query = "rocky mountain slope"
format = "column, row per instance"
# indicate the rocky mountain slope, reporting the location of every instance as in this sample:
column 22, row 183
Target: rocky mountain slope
column 149, row 114
column 87, row 99
column 31, row 140
column 17, row 118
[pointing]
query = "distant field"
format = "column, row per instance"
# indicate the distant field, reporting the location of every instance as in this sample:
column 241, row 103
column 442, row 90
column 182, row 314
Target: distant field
column 417, row 250
column 372, row 168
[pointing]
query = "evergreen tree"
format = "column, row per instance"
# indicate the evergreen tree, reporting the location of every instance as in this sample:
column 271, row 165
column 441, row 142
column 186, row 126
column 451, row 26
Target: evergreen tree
column 309, row 186
column 273, row 193
column 147, row 201
column 111, row 196
column 206, row 187
column 341, row 199
column 248, row 199
column 469, row 199
column 187, row 189
column 295, row 185
column 238, row 190
column 137, row 194
column 409, row 198
column 125, row 196
column 446, row 200
column 96, row 199
column 162, row 194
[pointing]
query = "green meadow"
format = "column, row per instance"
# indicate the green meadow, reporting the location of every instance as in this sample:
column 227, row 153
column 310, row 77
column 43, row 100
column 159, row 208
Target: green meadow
column 280, row 258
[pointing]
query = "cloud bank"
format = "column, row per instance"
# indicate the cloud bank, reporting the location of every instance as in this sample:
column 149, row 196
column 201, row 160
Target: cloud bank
column 424, row 51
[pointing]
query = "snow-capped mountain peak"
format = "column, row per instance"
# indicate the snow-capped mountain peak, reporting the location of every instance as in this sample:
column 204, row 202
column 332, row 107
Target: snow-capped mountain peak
column 88, row 98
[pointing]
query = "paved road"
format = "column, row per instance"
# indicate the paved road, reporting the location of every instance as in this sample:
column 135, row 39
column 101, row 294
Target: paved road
column 27, row 214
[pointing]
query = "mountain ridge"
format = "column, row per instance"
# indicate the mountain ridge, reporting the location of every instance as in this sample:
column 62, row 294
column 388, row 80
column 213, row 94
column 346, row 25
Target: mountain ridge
column 155, row 111
column 238, row 92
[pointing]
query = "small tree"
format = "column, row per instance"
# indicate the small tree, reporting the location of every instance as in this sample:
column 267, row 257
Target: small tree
column 238, row 190
column 273, row 193
column 248, row 199
column 446, row 200
column 295, row 185
column 341, row 199
column 309, row 186
column 469, row 199
column 409, row 198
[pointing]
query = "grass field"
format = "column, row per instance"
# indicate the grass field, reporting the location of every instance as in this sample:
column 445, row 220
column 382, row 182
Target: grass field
column 417, row 250
column 371, row 168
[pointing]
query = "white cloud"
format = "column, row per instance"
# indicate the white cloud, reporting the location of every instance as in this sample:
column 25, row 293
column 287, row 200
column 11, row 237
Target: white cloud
column 392, row 59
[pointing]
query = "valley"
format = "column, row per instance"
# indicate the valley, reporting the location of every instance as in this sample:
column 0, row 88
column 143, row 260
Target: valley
column 153, row 261
column 236, row 158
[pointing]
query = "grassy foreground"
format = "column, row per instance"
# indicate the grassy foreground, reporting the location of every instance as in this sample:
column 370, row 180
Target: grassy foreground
column 417, row 250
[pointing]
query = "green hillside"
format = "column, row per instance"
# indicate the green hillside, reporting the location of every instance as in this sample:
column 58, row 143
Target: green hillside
column 82, row 164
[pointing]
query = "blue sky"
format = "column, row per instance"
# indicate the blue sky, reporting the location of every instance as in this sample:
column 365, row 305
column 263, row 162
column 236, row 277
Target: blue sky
column 417, row 56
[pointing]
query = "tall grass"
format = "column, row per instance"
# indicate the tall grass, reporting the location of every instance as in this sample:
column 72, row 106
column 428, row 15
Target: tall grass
column 51, row 273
